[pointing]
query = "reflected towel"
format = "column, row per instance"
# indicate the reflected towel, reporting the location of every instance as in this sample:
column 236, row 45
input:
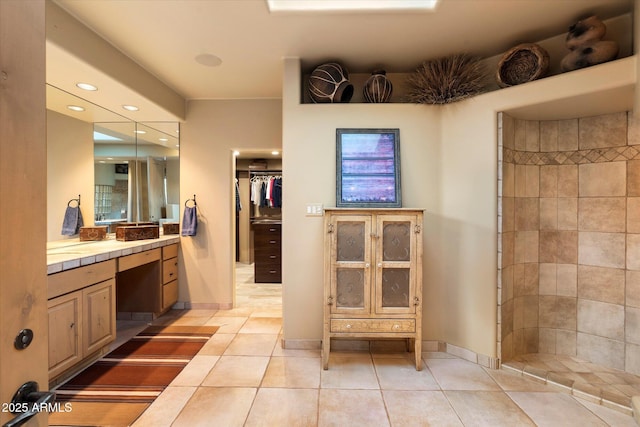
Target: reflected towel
column 190, row 221
column 72, row 221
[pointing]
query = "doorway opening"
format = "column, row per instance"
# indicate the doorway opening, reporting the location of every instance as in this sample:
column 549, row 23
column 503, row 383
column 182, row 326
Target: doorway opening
column 258, row 224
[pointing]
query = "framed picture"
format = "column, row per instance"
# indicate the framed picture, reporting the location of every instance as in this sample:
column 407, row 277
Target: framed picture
column 368, row 168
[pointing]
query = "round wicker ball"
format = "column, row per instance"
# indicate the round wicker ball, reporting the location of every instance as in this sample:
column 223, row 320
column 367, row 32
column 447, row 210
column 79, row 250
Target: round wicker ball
column 329, row 83
column 521, row 64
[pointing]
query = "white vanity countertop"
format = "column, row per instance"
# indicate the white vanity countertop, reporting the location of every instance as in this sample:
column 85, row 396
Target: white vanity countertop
column 72, row 253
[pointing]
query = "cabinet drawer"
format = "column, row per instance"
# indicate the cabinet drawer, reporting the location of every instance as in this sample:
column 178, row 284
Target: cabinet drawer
column 373, row 325
column 169, row 270
column 268, row 274
column 265, row 229
column 265, row 241
column 169, row 294
column 135, row 260
column 264, row 256
column 78, row 278
column 170, row 251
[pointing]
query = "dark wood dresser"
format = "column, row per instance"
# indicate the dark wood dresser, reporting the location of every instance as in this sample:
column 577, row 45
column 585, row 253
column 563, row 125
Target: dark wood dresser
column 267, row 246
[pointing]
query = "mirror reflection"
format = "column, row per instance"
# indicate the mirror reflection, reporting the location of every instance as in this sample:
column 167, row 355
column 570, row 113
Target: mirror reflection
column 124, row 171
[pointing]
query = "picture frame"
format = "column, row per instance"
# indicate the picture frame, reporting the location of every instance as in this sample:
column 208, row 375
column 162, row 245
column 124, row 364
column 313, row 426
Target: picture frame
column 368, row 168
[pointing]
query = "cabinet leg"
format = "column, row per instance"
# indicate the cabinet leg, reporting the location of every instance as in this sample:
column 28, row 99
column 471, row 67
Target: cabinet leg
column 326, row 344
column 418, row 350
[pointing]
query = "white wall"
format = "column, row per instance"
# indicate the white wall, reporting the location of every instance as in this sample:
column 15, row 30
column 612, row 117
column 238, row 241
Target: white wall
column 207, row 139
column 69, row 170
column 449, row 168
column 309, row 164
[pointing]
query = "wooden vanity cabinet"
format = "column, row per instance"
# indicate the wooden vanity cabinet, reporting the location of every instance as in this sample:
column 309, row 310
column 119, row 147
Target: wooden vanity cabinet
column 139, row 284
column 169, row 276
column 373, row 276
column 148, row 282
column 81, row 314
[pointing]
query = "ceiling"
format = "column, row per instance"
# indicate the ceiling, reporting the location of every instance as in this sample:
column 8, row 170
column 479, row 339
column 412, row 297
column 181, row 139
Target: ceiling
column 165, row 37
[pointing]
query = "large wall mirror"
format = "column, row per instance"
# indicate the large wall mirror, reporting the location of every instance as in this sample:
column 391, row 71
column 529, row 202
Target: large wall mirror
column 121, row 171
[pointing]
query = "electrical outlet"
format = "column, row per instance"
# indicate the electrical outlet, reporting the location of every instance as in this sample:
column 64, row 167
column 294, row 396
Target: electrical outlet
column 314, row 209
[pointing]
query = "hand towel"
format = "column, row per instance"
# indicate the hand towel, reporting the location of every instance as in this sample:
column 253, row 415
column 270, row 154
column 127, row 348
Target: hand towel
column 72, row 221
column 190, row 221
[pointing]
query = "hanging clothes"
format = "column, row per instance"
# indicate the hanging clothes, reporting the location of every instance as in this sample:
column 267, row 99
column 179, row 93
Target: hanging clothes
column 238, row 204
column 266, row 191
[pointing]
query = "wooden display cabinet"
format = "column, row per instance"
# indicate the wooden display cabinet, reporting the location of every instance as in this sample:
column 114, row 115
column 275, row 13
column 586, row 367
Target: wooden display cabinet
column 373, row 276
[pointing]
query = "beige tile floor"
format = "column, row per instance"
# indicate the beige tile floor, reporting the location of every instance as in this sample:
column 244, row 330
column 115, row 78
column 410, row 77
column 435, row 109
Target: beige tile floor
column 242, row 377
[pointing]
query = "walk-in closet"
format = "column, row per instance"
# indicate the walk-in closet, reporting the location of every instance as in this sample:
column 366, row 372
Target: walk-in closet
column 259, row 189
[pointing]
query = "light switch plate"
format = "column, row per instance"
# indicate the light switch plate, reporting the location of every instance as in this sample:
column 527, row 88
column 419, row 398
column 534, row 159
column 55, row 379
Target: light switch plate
column 314, row 209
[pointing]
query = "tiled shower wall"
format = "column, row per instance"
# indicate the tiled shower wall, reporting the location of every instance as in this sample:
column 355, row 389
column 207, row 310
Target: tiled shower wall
column 569, row 239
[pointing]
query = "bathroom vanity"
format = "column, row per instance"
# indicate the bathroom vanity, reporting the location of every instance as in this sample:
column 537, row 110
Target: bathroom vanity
column 90, row 284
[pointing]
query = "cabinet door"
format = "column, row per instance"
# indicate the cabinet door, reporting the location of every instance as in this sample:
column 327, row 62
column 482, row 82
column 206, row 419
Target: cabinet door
column 395, row 253
column 65, row 331
column 99, row 315
column 351, row 264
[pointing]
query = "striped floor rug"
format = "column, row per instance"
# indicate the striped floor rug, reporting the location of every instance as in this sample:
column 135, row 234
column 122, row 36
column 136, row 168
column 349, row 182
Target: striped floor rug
column 117, row 388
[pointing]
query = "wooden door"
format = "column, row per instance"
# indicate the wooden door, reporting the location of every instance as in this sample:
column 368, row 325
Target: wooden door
column 98, row 316
column 395, row 259
column 23, row 291
column 351, row 264
column 65, row 332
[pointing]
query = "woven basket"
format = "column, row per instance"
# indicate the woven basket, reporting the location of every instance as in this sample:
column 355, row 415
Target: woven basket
column 521, row 64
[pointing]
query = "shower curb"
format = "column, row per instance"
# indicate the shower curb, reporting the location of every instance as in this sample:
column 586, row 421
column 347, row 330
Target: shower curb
column 628, row 406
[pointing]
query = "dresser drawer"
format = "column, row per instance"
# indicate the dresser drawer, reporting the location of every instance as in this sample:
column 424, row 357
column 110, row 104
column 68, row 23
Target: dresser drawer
column 135, row 260
column 78, row 278
column 262, row 241
column 268, row 254
column 373, row 325
column 270, row 273
column 169, row 270
column 170, row 251
column 169, row 294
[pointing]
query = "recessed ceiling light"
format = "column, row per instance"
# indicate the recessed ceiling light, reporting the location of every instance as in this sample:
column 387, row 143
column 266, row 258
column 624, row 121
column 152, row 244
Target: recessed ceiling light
column 275, row 153
column 208, row 60
column 163, row 139
column 177, row 145
column 130, row 107
column 140, row 131
column 86, row 86
column 75, row 107
column 350, row 5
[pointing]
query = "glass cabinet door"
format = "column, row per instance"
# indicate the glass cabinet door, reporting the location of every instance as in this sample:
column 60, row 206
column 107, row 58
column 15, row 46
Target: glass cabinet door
column 351, row 246
column 395, row 279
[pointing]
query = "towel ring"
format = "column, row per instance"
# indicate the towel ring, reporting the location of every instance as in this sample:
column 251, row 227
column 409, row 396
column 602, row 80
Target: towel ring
column 191, row 200
column 74, row 200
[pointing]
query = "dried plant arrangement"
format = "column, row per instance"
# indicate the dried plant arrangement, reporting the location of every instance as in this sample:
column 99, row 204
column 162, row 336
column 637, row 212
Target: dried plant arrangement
column 445, row 80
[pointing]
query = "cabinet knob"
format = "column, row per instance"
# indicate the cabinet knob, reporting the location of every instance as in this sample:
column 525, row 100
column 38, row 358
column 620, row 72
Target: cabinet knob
column 367, row 265
column 379, row 264
column 396, row 326
column 348, row 326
